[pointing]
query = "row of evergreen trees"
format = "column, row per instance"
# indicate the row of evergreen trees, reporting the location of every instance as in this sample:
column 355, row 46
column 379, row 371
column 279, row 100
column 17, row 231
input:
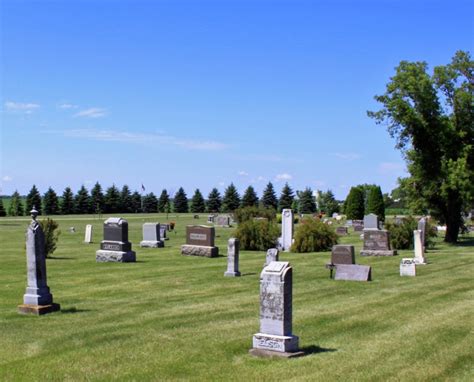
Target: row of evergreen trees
column 364, row 199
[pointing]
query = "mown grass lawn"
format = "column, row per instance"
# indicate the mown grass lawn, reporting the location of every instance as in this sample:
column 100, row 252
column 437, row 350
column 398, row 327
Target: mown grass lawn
column 170, row 317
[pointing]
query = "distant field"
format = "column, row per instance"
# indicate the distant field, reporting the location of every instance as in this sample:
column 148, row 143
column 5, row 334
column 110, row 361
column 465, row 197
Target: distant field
column 170, row 317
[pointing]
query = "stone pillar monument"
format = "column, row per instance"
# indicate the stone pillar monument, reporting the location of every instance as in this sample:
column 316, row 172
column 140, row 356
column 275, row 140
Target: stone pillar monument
column 88, row 235
column 422, row 228
column 418, row 247
column 37, row 299
column 233, row 247
column 286, row 230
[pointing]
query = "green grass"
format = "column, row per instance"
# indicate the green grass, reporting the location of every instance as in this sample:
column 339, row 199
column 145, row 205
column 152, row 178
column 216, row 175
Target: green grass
column 170, row 317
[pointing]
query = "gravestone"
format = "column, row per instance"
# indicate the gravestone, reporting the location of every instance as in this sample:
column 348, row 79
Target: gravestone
column 275, row 337
column 342, row 231
column 342, row 254
column 233, row 247
column 358, row 225
column 286, row 239
column 115, row 247
column 37, row 299
column 407, row 267
column 371, row 221
column 200, row 241
column 418, row 247
column 210, row 218
column 353, row 272
column 422, row 228
column 88, row 235
column 377, row 243
column 72, row 229
column 349, row 223
column 151, row 236
column 163, row 230
column 222, row 221
column 272, row 255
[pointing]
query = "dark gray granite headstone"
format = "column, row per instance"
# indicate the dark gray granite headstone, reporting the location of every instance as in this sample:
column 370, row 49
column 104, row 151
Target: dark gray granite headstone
column 343, row 254
column 115, row 247
column 342, row 231
column 377, row 243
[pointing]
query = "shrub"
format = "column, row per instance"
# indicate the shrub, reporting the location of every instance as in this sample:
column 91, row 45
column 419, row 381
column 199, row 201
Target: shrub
column 296, row 219
column 313, row 236
column 258, row 235
column 244, row 214
column 51, row 231
column 401, row 235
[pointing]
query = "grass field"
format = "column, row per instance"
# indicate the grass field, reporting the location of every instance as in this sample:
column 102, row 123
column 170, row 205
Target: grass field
column 170, row 317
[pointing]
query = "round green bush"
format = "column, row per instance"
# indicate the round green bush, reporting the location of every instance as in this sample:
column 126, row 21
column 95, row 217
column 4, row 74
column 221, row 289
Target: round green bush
column 257, row 235
column 401, row 235
column 313, row 236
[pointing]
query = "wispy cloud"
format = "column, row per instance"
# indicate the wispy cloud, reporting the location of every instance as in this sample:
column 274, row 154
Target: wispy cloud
column 7, row 178
column 346, row 156
column 283, row 177
column 391, row 167
column 259, row 157
column 258, row 179
column 93, row 112
column 243, row 173
column 67, row 106
column 20, row 107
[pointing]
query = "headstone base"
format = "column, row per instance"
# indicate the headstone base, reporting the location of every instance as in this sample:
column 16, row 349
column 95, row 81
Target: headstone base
column 232, row 274
column 269, row 353
column 368, row 252
column 199, row 250
column 274, row 343
column 152, row 244
column 38, row 310
column 102, row 256
column 419, row 261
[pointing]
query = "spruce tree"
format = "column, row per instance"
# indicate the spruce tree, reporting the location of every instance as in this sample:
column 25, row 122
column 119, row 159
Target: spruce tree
column 16, row 205
column 375, row 203
column 180, row 201
column 269, row 198
column 197, row 202
column 50, row 202
column 112, row 200
column 97, row 199
column 231, row 200
column 33, row 199
column 286, row 198
column 354, row 204
column 126, row 200
column 164, row 202
column 214, row 201
column 150, row 203
column 82, row 201
column 306, row 204
column 67, row 202
column 136, row 202
column 2, row 209
column 328, row 203
column 250, row 198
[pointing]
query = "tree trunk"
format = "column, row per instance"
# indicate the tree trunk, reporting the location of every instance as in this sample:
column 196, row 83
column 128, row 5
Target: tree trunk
column 453, row 220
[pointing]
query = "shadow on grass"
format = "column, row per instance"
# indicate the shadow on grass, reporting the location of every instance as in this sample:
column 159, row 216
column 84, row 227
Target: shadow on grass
column 249, row 274
column 466, row 242
column 313, row 349
column 74, row 310
column 60, row 258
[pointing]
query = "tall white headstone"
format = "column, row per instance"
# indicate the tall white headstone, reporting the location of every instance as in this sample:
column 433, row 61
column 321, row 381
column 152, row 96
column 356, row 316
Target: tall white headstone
column 418, row 247
column 233, row 246
column 422, row 228
column 88, row 235
column 286, row 229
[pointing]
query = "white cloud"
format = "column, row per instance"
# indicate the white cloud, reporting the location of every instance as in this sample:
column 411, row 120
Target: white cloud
column 67, row 106
column 93, row 112
column 7, row 178
column 243, row 173
column 391, row 167
column 222, row 184
column 283, row 177
column 346, row 156
column 19, row 107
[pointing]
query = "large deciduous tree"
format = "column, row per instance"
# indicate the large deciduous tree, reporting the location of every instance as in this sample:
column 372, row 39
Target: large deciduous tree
column 432, row 119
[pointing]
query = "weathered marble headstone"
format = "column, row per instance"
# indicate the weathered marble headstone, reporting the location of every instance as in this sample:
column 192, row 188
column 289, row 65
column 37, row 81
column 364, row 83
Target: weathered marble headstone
column 286, row 239
column 200, row 241
column 222, row 221
column 88, row 235
column 349, row 223
column 418, row 247
column 163, row 230
column 358, row 225
column 342, row 231
column 407, row 267
column 272, row 255
column 342, row 254
column 151, row 236
column 353, row 272
column 210, row 218
column 37, row 299
column 377, row 243
column 371, row 221
column 115, row 247
column 275, row 337
column 233, row 247
column 422, row 228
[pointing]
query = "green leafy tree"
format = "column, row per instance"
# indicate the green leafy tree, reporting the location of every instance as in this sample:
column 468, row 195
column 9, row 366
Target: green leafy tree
column 150, row 203
column 82, row 201
column 313, row 235
column 16, row 205
column 112, row 200
column 136, row 202
column 231, row 200
column 164, row 202
column 269, row 198
column 180, row 201
column 67, row 202
column 50, row 202
column 328, row 203
column 250, row 198
column 51, row 231
column 375, row 203
column 432, row 118
column 286, row 198
column 126, row 200
column 97, row 199
column 197, row 202
column 214, row 201
column 33, row 199
column 306, row 204
column 354, row 205
column 2, row 209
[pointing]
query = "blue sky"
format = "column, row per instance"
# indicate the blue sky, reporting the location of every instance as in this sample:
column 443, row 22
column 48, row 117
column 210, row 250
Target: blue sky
column 203, row 93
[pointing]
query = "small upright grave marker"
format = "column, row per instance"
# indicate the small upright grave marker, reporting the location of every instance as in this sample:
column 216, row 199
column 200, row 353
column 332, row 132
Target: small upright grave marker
column 151, row 236
column 342, row 231
column 233, row 247
column 200, row 241
column 407, row 267
column 88, row 234
column 272, row 255
column 222, row 220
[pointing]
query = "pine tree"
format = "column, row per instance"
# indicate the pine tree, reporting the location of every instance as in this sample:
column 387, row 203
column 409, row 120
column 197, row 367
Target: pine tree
column 354, row 204
column 16, row 205
column 136, row 202
column 97, row 199
column 328, row 203
column 33, row 199
column 164, row 202
column 306, row 203
column 250, row 198
column 231, row 200
column 269, row 198
column 112, row 200
column 82, row 201
column 126, row 200
column 286, row 198
column 50, row 202
column 375, row 203
column 2, row 209
column 150, row 203
column 67, row 202
column 197, row 202
column 214, row 201
column 180, row 201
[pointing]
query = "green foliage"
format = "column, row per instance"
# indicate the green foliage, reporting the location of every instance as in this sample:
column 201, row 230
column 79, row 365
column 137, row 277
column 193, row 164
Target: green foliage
column 67, row 202
column 150, row 203
column 250, row 198
column 97, row 199
column 248, row 213
column 50, row 202
column 354, row 204
column 313, row 235
column 126, row 200
column 112, row 200
column 269, row 198
column 401, row 235
column 375, row 203
column 2, row 209
column 82, row 201
column 51, row 231
column 328, row 203
column 287, row 198
column 432, row 119
column 231, row 200
column 257, row 235
column 306, row 204
column 33, row 199
column 164, row 204
column 16, row 205
column 136, row 202
column 180, row 201
column 214, row 201
column 197, row 202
